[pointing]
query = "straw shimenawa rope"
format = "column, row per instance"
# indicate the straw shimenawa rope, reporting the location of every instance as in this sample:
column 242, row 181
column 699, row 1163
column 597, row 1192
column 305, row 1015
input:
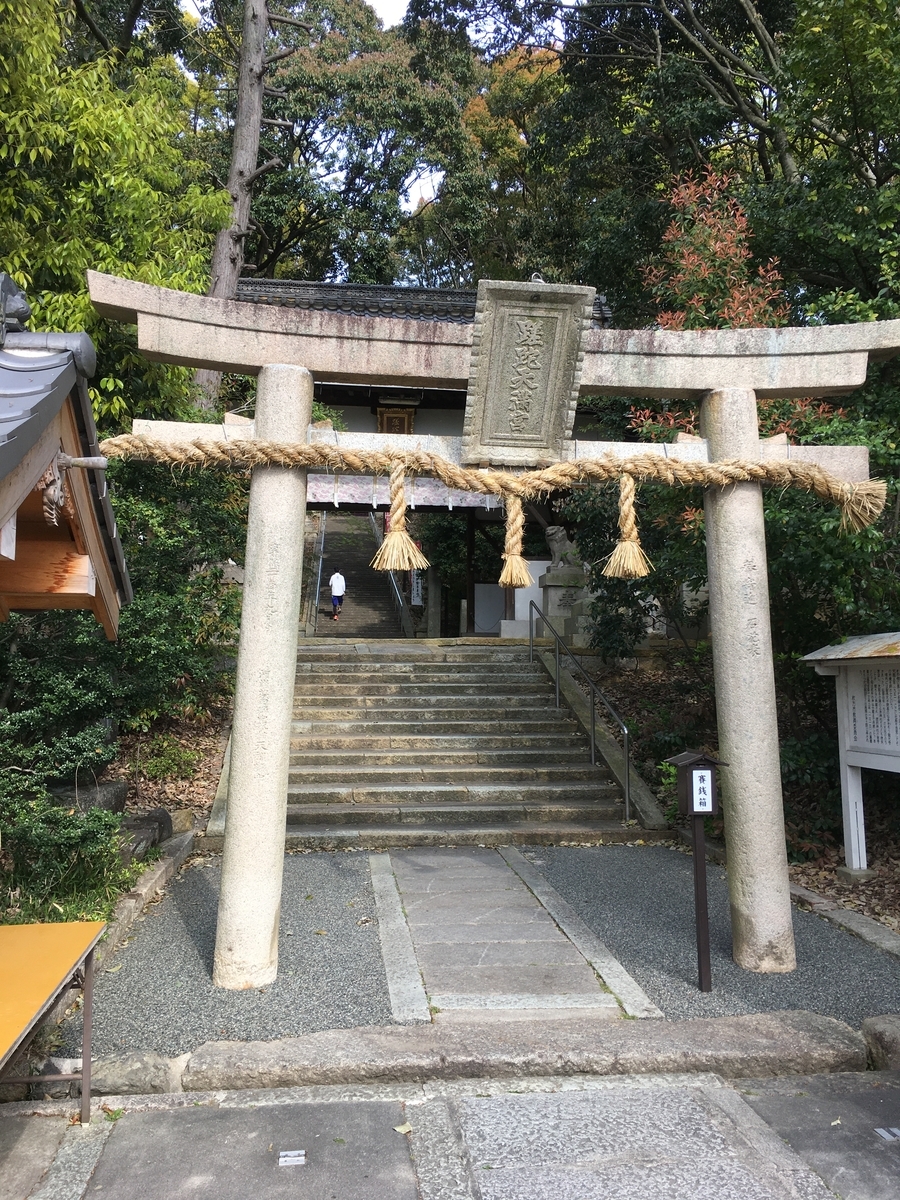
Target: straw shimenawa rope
column 860, row 503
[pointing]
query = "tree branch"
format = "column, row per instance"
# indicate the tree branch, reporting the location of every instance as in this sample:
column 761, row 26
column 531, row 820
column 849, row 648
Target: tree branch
column 223, row 29
column 271, row 165
column 274, row 58
column 131, row 19
column 92, row 25
column 275, row 19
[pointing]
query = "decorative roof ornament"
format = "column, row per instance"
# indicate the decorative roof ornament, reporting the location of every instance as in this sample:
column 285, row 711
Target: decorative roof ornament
column 14, row 307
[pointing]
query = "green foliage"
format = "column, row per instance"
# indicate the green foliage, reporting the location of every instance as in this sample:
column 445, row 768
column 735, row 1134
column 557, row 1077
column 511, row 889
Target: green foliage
column 94, row 175
column 56, row 864
column 65, row 690
column 163, row 757
column 352, row 126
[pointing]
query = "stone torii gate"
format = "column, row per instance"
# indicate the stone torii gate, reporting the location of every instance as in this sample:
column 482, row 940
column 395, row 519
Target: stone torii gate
column 528, row 356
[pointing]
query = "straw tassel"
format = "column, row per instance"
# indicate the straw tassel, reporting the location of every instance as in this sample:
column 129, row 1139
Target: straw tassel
column 515, row 573
column 398, row 552
column 862, row 503
column 628, row 560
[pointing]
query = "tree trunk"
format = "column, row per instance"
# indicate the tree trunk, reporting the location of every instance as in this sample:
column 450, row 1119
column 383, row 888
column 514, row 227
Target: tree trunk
column 228, row 255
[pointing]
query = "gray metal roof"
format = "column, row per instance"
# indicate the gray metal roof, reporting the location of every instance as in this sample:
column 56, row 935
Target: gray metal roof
column 32, row 391
column 456, row 305
column 34, row 383
column 872, row 645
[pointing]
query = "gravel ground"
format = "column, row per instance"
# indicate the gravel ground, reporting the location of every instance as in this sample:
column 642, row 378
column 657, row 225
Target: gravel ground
column 640, row 900
column 156, row 992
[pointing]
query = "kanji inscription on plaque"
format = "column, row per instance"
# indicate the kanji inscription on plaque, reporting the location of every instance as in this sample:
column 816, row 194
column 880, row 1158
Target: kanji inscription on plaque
column 525, row 372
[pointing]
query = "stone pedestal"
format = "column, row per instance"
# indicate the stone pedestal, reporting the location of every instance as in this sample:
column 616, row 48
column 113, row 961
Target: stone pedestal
column 562, row 588
column 578, row 625
column 433, row 604
column 250, row 900
column 745, row 694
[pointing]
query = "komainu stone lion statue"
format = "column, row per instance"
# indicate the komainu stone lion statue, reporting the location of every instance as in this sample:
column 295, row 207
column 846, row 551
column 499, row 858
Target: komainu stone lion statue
column 563, row 551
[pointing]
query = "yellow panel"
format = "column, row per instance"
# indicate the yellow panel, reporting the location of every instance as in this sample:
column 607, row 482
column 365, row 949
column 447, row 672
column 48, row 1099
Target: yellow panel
column 35, row 963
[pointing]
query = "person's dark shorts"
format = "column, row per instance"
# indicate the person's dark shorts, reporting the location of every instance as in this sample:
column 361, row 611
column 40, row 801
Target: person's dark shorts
column 336, row 602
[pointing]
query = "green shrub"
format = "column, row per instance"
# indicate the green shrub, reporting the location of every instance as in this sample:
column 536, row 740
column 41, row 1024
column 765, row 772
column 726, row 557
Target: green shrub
column 57, row 864
column 163, row 757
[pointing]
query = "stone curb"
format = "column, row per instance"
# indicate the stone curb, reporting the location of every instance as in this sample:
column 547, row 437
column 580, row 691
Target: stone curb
column 214, row 837
column 755, row 1046
column 867, row 929
column 407, row 1093
column 649, row 813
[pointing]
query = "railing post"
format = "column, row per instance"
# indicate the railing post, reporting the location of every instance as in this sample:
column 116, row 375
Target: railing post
column 627, row 742
column 593, row 731
column 556, row 646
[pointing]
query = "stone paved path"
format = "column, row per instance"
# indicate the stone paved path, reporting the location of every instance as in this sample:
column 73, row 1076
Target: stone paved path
column 484, row 942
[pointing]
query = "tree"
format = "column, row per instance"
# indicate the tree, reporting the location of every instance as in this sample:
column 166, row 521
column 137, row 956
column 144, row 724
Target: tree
column 93, row 175
column 795, row 100
column 116, row 27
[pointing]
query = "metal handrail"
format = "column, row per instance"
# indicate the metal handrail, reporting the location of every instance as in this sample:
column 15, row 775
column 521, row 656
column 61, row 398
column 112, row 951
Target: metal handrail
column 406, row 625
column 595, row 691
column 319, row 572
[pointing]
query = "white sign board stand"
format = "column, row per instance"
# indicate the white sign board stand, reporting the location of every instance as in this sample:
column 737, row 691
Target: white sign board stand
column 867, row 678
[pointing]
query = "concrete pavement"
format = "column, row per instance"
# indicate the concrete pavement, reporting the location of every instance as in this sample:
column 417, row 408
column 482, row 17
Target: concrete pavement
column 458, row 1015
column 663, row 1137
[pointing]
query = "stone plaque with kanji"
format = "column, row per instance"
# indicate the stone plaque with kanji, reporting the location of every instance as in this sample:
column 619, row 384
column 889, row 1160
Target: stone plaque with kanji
column 527, row 350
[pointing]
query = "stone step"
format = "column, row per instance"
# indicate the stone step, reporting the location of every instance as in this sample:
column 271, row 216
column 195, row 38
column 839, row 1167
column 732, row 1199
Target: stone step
column 432, row 669
column 512, row 833
column 449, row 814
column 341, row 679
column 372, row 678
column 301, row 759
column 500, row 687
column 592, row 794
column 425, row 775
column 378, row 729
column 437, row 709
column 374, row 650
column 438, row 742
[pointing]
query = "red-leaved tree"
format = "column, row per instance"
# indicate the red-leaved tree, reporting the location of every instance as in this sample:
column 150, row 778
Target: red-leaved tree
column 704, row 278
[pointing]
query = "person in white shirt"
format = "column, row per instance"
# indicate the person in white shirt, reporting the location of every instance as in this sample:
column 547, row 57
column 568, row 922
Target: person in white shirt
column 338, row 586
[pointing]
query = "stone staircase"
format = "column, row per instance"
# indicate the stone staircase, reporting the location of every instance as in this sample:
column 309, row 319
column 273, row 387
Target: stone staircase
column 438, row 743
column 368, row 611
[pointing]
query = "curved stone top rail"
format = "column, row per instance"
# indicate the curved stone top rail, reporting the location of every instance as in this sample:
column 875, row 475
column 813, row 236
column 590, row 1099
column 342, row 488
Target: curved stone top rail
column 231, row 335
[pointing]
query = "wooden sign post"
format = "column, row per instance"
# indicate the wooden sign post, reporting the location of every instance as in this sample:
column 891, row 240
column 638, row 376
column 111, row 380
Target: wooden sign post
column 698, row 799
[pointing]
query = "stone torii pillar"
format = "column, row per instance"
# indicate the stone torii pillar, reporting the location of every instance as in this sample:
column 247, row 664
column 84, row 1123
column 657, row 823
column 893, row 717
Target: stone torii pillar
column 747, row 718
column 252, row 865
column 524, row 361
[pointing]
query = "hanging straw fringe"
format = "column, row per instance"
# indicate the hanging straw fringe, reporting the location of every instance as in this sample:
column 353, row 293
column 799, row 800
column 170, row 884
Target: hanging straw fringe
column 398, row 552
column 515, row 572
column 628, row 560
column 862, row 503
